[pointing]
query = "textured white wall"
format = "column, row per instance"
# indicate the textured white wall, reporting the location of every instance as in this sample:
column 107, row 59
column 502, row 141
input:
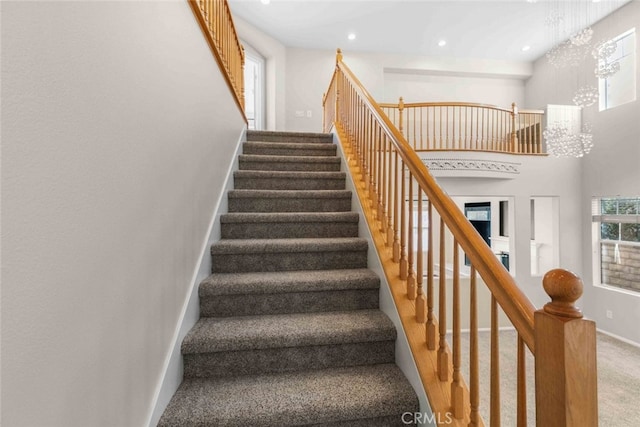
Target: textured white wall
column 114, row 150
column 611, row 169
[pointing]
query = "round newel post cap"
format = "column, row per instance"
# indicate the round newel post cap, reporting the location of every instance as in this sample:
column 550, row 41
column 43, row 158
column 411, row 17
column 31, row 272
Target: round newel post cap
column 564, row 288
column 338, row 55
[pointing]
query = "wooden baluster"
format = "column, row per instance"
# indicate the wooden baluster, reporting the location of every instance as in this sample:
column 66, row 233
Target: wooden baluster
column 457, row 390
column 382, row 203
column 400, row 111
column 421, row 301
column 431, row 323
column 442, row 144
column 380, row 177
column 391, row 181
column 446, row 129
column 443, row 350
column 396, row 220
column 474, row 366
column 460, row 143
column 522, row 385
column 403, row 225
column 494, row 413
column 478, row 139
column 565, row 349
column 471, row 129
column 411, row 279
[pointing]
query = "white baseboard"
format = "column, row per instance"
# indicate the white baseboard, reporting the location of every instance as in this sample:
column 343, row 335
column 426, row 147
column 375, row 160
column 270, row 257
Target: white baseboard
column 619, row 338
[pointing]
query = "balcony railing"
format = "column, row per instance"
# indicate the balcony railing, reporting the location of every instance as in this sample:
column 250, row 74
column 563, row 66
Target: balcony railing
column 465, row 126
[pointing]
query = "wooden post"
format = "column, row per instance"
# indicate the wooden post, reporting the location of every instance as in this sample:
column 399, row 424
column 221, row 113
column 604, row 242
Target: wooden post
column 514, row 134
column 565, row 347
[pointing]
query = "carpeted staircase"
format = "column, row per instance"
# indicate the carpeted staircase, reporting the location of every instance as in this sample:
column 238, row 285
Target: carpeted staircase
column 290, row 331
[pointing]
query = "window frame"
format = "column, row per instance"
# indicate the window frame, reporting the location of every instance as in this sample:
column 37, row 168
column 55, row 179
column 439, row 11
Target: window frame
column 604, row 103
column 597, row 219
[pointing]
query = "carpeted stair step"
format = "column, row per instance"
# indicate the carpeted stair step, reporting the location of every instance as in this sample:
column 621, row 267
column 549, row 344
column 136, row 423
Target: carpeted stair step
column 289, row 149
column 252, row 345
column 246, row 255
column 277, row 180
column 289, row 200
column 288, row 163
column 285, row 225
column 375, row 395
column 270, row 136
column 249, row 294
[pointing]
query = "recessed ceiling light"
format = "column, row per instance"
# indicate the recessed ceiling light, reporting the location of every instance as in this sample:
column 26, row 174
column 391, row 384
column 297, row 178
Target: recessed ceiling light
column 526, row 48
column 442, row 43
column 351, row 36
column 265, row 1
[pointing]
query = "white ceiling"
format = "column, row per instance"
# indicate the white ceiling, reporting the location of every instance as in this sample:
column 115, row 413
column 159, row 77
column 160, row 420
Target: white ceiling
column 472, row 28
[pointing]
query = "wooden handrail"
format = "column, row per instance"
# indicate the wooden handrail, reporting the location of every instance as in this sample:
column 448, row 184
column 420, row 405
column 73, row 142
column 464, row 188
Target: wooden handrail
column 216, row 22
column 388, row 172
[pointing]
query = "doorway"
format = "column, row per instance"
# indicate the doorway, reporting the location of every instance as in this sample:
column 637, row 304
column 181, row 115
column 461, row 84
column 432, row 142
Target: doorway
column 479, row 215
column 254, row 89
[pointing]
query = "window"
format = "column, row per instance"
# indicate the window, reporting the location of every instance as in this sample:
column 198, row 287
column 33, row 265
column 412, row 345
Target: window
column 617, row 241
column 620, row 87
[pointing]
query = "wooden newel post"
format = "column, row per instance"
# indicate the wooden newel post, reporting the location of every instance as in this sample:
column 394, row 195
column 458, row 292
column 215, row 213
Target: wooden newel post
column 514, row 135
column 565, row 348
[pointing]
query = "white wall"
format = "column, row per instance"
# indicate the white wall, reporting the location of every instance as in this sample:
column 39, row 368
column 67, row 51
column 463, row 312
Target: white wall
column 388, row 76
column 558, row 180
column 275, row 55
column 426, row 87
column 611, row 168
column 114, row 151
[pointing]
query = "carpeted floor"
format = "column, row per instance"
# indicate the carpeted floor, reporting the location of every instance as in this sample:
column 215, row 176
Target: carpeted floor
column 618, row 380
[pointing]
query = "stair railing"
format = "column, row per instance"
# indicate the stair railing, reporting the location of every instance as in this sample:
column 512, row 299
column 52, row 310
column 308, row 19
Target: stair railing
column 467, row 126
column 216, row 22
column 421, row 236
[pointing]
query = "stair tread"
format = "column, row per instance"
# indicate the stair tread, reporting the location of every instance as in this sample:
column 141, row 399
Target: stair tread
column 216, row 334
column 323, row 146
column 288, row 159
column 268, row 217
column 269, row 133
column 259, row 174
column 315, row 194
column 290, row 281
column 293, row 398
column 240, row 246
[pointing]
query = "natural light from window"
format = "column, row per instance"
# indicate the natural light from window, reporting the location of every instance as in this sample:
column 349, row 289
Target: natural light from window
column 616, row 237
column 620, row 88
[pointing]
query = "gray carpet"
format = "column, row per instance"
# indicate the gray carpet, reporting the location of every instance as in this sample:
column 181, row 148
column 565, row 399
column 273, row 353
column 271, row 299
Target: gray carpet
column 618, row 380
column 290, row 331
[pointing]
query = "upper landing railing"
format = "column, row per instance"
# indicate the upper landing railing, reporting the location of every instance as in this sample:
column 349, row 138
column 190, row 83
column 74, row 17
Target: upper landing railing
column 422, row 238
column 465, row 126
column 216, row 22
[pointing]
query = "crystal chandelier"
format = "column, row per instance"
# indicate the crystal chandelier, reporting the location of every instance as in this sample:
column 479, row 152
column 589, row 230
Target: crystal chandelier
column 562, row 143
column 586, row 96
